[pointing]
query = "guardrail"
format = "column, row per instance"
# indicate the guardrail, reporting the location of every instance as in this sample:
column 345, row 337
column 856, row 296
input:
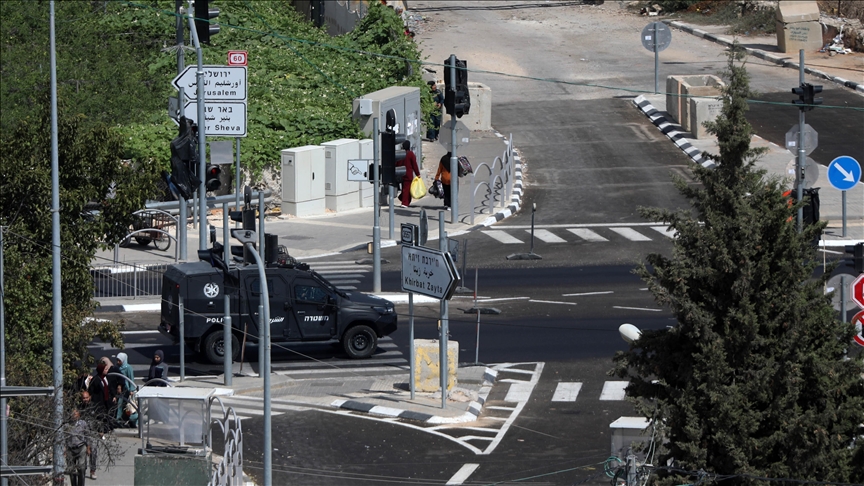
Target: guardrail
column 127, row 279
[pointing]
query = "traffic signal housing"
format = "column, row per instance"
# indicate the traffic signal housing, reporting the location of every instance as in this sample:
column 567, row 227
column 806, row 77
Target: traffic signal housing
column 184, row 157
column 203, row 26
column 390, row 155
column 456, row 97
column 807, row 99
column 857, row 262
column 214, row 256
column 212, row 182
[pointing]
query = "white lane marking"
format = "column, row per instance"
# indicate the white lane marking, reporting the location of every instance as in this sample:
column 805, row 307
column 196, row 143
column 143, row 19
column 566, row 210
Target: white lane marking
column 519, row 392
column 635, row 308
column 142, row 307
column 588, row 293
column 463, row 474
column 551, row 302
column 630, row 234
column 665, row 231
column 548, row 236
column 613, row 390
column 566, row 392
column 139, row 332
column 503, row 298
column 589, row 225
column 502, row 237
column 586, row 234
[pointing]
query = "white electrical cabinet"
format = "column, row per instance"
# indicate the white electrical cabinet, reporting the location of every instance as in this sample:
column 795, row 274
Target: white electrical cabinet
column 340, row 194
column 367, row 189
column 303, row 180
column 405, row 102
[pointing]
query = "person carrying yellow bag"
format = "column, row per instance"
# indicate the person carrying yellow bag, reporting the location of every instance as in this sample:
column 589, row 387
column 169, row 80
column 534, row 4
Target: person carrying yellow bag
column 411, row 169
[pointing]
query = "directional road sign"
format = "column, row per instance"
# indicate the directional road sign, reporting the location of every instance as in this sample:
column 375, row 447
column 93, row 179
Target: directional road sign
column 844, row 172
column 857, row 289
column 224, row 118
column 225, row 83
column 811, row 139
column 858, row 320
column 428, row 272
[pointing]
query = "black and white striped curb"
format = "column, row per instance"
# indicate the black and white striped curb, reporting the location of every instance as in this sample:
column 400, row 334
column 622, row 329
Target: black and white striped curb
column 776, row 59
column 673, row 131
column 515, row 198
column 474, row 408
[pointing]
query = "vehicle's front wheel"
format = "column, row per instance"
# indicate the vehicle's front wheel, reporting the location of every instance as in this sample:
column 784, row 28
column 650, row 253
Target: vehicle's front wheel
column 214, row 347
column 359, row 342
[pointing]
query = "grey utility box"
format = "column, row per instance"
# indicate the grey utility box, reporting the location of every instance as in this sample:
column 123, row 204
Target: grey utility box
column 340, row 194
column 303, row 181
column 405, row 101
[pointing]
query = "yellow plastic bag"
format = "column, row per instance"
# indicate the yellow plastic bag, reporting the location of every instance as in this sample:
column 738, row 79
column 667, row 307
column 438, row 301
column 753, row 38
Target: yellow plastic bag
column 418, row 188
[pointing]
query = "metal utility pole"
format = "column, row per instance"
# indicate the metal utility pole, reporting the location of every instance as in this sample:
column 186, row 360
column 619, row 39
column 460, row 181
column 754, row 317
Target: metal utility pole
column 376, row 223
column 454, row 159
column 226, row 302
column 4, row 448
column 57, row 300
column 202, row 137
column 181, row 65
column 802, row 154
column 445, row 310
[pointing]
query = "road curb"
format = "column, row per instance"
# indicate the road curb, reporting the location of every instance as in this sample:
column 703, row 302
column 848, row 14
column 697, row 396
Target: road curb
column 674, row 131
column 767, row 56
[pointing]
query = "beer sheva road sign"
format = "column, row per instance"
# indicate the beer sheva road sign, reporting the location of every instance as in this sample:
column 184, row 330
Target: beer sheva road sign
column 428, row 272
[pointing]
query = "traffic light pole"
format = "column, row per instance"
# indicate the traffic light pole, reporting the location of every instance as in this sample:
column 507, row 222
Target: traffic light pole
column 376, row 224
column 802, row 154
column 202, row 137
column 454, row 159
column 181, row 65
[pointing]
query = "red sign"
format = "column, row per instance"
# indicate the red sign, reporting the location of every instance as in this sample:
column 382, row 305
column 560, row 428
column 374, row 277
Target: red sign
column 237, row 58
column 857, row 288
column 858, row 320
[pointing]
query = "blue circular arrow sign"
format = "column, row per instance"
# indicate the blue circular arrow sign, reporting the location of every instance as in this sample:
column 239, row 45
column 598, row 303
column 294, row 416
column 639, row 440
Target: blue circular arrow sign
column 844, row 172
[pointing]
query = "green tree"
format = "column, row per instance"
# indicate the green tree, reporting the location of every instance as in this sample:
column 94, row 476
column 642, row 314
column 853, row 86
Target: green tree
column 753, row 380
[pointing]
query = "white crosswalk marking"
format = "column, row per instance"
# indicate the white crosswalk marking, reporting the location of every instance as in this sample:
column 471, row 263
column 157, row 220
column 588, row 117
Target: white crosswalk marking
column 613, row 390
column 548, row 236
column 503, row 237
column 665, row 230
column 631, row 234
column 342, row 274
column 586, row 234
column 566, row 392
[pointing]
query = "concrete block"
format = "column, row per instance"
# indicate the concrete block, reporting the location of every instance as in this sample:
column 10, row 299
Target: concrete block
column 791, row 11
column 427, row 369
column 627, row 431
column 679, row 89
column 480, row 117
column 792, row 37
column 178, row 469
column 673, row 96
column 702, row 110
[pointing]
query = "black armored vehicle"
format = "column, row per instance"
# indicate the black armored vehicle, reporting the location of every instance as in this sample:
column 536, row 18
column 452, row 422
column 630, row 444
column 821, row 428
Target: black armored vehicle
column 304, row 306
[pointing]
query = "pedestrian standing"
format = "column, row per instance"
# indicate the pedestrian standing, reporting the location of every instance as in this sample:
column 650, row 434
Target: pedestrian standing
column 158, row 371
column 411, row 169
column 126, row 370
column 77, row 448
column 90, row 411
column 438, row 101
column 443, row 175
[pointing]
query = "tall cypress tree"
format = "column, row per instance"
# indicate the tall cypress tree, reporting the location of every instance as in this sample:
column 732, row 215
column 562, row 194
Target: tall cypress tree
column 753, row 380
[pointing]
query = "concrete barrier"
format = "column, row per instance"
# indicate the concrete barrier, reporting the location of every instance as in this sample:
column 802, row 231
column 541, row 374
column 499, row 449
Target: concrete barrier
column 798, row 26
column 681, row 89
column 480, row 117
column 427, row 369
column 702, row 110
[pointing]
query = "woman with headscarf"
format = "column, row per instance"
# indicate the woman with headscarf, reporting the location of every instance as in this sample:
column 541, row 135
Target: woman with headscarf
column 158, row 370
column 125, row 369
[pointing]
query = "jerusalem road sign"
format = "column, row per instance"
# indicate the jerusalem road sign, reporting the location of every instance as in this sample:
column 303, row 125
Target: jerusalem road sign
column 844, row 172
column 221, row 83
column 428, row 272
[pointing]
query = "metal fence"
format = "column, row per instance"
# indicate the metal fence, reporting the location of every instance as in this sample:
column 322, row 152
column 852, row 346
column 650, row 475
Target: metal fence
column 127, row 279
column 229, row 470
column 497, row 185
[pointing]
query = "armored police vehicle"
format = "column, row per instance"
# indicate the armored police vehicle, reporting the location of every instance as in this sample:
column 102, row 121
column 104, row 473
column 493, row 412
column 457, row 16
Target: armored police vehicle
column 304, row 306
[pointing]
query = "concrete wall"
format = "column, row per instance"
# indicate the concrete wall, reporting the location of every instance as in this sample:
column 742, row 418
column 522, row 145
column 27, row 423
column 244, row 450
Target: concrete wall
column 679, row 93
column 480, row 117
column 702, row 110
column 427, row 369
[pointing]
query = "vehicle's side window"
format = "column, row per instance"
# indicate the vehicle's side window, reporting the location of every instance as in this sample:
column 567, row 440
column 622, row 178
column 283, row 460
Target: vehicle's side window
column 310, row 293
column 255, row 286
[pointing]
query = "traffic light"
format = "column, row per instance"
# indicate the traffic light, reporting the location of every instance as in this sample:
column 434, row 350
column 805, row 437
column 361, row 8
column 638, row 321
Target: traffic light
column 857, row 252
column 389, row 154
column 212, row 182
column 184, row 154
column 456, row 97
column 203, row 14
column 214, row 256
column 807, row 96
column 247, row 217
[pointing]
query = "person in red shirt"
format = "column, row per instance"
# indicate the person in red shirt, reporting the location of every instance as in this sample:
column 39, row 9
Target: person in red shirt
column 411, row 169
